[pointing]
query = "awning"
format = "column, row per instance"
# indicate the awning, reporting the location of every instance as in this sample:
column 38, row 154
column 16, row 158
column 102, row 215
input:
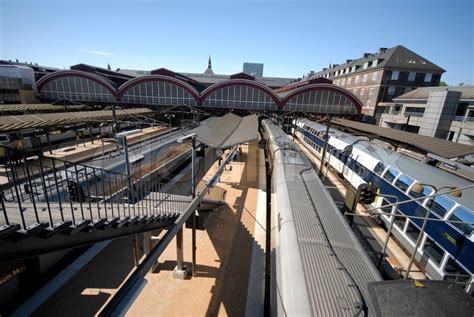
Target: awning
column 227, row 131
column 36, row 121
column 443, row 148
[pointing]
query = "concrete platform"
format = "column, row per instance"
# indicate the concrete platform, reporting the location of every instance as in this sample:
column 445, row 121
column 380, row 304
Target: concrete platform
column 225, row 251
column 224, row 255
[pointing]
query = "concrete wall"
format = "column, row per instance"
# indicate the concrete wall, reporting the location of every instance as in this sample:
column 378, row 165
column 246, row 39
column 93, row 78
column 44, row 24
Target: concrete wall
column 439, row 113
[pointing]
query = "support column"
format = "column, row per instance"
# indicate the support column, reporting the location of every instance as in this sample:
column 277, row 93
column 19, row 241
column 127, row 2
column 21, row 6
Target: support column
column 180, row 271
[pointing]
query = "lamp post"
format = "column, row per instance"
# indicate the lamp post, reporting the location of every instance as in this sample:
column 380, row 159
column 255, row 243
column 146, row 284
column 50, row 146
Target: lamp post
column 418, row 187
column 390, row 226
column 183, row 139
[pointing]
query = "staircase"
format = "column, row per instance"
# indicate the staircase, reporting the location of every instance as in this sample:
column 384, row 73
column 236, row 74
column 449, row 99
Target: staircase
column 48, row 204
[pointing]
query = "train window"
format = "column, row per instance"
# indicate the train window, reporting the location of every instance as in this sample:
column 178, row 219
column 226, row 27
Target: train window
column 390, row 174
column 412, row 231
column 403, row 182
column 441, row 205
column 463, row 214
column 455, row 272
column 379, row 168
column 400, row 221
column 359, row 169
column 433, row 251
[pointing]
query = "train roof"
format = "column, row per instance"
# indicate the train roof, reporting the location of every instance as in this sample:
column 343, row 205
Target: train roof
column 423, row 173
column 317, row 220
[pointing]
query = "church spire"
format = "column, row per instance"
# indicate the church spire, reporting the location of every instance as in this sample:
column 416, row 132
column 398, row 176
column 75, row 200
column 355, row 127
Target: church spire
column 209, row 71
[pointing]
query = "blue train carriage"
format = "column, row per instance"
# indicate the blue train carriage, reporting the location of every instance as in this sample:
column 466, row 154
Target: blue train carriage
column 446, row 250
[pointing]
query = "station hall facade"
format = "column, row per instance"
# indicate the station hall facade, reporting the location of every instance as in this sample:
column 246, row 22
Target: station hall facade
column 161, row 88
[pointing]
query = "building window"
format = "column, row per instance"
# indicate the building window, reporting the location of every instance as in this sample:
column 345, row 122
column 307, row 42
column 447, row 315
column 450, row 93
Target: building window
column 428, row 77
column 374, row 76
column 362, row 92
column 343, row 81
column 349, row 80
column 366, row 64
column 395, row 75
column 391, row 90
column 411, row 76
column 364, row 79
column 371, row 91
column 375, row 62
column 353, row 69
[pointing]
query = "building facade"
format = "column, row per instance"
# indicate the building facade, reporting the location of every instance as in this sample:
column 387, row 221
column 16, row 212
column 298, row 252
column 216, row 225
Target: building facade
column 253, row 69
column 441, row 112
column 382, row 76
column 163, row 88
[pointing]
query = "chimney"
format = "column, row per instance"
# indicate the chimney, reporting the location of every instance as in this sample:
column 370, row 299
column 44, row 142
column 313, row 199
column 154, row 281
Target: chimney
column 348, row 60
column 382, row 50
column 325, row 68
column 366, row 55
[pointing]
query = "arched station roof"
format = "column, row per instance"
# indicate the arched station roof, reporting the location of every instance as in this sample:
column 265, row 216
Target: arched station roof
column 240, row 82
column 306, row 97
column 158, row 78
column 287, row 96
column 76, row 73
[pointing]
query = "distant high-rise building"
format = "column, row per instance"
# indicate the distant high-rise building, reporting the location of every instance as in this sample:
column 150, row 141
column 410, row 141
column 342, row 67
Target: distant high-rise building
column 254, row 69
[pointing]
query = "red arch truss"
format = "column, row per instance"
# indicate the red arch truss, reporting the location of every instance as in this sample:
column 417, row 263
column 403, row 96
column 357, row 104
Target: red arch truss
column 329, row 87
column 75, row 73
column 151, row 78
column 240, row 82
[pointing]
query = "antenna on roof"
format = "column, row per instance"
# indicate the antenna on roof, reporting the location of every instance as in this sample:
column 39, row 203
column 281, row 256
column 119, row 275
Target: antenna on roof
column 108, row 67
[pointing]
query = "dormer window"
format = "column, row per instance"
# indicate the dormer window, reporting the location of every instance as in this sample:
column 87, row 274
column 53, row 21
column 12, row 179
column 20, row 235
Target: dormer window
column 375, row 62
column 366, row 64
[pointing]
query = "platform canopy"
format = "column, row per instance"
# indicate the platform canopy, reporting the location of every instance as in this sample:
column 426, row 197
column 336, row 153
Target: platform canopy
column 227, row 131
column 46, row 120
column 443, row 148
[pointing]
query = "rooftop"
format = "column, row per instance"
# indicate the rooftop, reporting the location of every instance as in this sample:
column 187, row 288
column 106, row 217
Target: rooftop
column 467, row 92
column 440, row 147
column 396, row 57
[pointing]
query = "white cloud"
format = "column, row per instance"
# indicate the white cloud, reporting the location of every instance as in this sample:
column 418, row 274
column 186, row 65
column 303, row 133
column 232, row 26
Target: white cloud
column 96, row 52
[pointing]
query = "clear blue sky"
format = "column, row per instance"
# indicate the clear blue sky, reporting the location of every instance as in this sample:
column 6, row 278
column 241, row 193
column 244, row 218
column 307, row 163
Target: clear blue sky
column 290, row 37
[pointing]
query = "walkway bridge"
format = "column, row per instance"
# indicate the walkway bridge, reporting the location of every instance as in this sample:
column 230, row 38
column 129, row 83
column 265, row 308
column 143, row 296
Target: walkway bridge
column 48, row 204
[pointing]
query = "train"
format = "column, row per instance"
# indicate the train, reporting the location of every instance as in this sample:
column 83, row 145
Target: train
column 446, row 251
column 101, row 177
column 318, row 266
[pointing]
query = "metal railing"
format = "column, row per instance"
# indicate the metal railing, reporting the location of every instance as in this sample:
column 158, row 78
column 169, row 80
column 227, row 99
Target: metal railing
column 45, row 193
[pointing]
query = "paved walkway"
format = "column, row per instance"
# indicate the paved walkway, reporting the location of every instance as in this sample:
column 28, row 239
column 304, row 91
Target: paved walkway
column 224, row 253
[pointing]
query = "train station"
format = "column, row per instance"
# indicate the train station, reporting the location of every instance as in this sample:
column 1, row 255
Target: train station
column 181, row 194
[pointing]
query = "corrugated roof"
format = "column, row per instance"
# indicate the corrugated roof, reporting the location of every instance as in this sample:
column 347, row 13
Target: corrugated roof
column 467, row 92
column 30, row 121
column 317, row 223
column 215, row 78
column 443, row 148
column 36, row 107
column 227, row 131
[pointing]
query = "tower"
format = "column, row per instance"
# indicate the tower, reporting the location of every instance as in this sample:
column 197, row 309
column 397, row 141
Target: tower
column 209, row 71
